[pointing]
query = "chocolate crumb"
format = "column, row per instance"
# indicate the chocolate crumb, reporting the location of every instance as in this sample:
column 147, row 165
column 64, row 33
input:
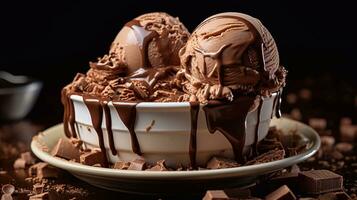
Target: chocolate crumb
column 148, row 128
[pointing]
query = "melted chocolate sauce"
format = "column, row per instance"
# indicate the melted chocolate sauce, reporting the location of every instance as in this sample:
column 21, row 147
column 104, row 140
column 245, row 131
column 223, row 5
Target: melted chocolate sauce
column 96, row 112
column 144, row 37
column 127, row 113
column 194, row 109
column 256, row 137
column 69, row 115
column 277, row 109
column 108, row 124
column 229, row 118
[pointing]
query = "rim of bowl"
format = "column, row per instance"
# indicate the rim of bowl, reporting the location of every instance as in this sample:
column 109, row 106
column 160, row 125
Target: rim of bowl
column 79, row 98
column 32, row 83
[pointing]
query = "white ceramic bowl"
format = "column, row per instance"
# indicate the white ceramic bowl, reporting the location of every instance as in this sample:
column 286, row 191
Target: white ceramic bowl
column 169, row 136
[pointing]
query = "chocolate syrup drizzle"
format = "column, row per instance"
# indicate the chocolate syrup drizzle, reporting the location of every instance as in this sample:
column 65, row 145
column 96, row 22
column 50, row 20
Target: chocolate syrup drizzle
column 96, row 112
column 194, row 109
column 229, row 118
column 108, row 124
column 127, row 114
column 256, row 137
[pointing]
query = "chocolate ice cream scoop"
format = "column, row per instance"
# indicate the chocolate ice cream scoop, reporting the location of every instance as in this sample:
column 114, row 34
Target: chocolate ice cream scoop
column 231, row 53
column 150, row 40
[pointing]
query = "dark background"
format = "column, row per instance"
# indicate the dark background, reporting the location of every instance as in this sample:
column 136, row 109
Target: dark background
column 52, row 41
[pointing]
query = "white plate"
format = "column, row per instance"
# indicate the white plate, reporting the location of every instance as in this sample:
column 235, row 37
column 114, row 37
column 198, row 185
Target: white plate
column 152, row 182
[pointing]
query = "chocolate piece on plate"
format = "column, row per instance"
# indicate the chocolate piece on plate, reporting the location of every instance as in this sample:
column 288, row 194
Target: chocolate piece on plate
column 65, row 149
column 282, row 193
column 220, row 163
column 91, row 158
column 269, row 156
column 137, row 164
column 121, row 165
column 319, row 181
column 160, row 166
column 215, row 195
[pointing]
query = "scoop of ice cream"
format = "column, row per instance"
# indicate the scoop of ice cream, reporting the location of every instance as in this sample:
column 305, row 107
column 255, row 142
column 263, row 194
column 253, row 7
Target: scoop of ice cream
column 150, row 40
column 141, row 64
column 230, row 53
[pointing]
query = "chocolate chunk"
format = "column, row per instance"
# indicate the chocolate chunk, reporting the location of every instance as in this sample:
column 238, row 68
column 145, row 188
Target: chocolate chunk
column 43, row 170
column 287, row 178
column 269, row 156
column 215, row 195
column 42, row 196
column 91, row 158
column 160, row 166
column 28, row 158
column 282, row 193
column 319, row 181
column 19, row 164
column 8, row 189
column 344, row 147
column 220, row 163
column 76, row 142
column 65, row 149
column 238, row 193
column 327, row 141
column 137, row 164
column 335, row 196
column 337, row 155
column 318, row 123
column 121, row 165
column 348, row 133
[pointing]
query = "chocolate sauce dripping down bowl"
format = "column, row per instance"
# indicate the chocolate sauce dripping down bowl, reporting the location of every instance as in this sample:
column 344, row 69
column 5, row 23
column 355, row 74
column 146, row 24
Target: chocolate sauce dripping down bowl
column 182, row 133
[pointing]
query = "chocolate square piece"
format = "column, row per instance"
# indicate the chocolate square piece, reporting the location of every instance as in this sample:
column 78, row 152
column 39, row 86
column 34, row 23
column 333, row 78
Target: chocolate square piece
column 43, row 170
column 319, row 181
column 137, row 164
column 215, row 195
column 121, row 165
column 91, row 158
column 66, row 149
column 160, row 166
column 282, row 193
column 220, row 163
column 335, row 196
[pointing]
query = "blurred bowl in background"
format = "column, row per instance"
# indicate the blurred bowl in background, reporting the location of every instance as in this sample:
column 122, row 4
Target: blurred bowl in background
column 18, row 94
